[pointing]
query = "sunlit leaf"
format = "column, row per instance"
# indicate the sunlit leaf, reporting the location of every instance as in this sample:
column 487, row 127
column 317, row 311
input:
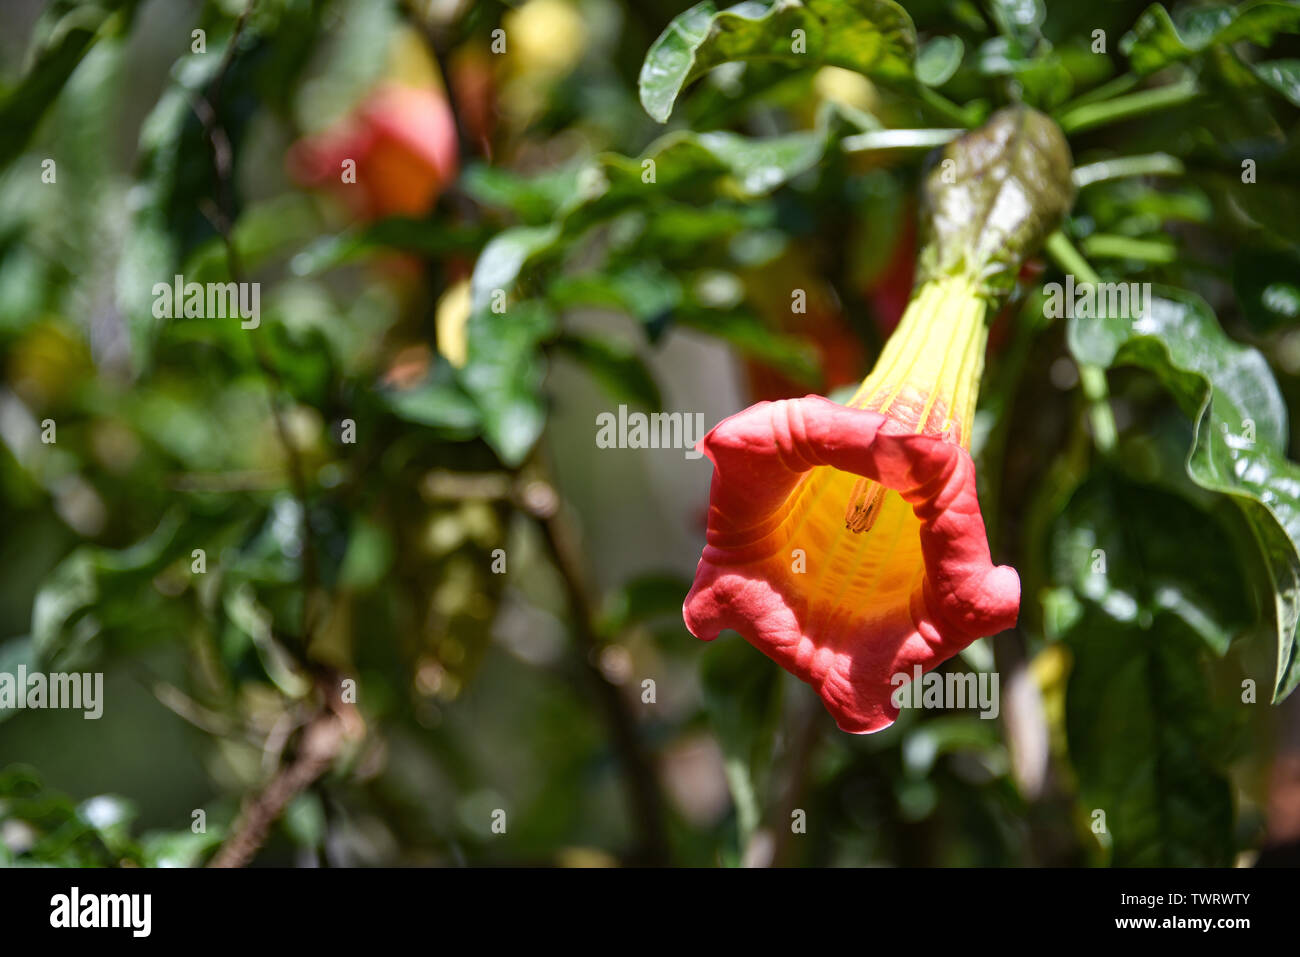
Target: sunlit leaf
column 874, row 37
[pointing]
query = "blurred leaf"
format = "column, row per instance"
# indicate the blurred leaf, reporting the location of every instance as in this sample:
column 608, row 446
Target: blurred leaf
column 1019, row 21
column 438, row 402
column 1157, row 40
column 385, row 235
column 873, row 37
column 534, row 199
column 926, row 742
column 66, row 31
column 97, row 591
column 502, row 259
column 1281, row 75
column 642, row 599
column 794, row 356
column 939, row 59
column 742, row 695
column 368, row 558
column 180, row 848
column 1044, row 80
column 1229, row 393
column 647, row 292
column 1267, row 284
column 14, row 654
column 616, row 367
column 503, row 374
column 1142, row 738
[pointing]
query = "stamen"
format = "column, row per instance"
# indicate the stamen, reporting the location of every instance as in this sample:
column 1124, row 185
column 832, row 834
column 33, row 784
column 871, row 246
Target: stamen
column 865, row 502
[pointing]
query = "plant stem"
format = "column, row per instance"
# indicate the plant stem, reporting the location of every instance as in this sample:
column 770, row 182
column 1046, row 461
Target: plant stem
column 940, row 105
column 1125, row 107
column 1092, row 378
column 1106, row 246
column 1146, row 164
column 1108, row 90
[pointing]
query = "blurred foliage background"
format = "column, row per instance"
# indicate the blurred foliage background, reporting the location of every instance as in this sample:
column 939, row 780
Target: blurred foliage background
column 396, row 490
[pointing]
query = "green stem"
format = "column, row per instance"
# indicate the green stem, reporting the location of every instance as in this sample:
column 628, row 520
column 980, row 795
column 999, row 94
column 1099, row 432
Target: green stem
column 1124, row 107
column 942, row 106
column 1105, row 246
column 1092, row 378
column 1147, row 164
column 1108, row 90
column 898, row 139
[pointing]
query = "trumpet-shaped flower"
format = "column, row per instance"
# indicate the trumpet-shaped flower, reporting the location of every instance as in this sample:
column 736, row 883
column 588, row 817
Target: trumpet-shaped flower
column 846, row 542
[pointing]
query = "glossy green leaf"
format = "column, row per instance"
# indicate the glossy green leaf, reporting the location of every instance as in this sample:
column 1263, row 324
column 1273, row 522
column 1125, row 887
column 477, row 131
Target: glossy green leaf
column 1229, row 393
column 874, row 37
column 721, row 162
column 1157, row 39
column 1281, row 75
column 1154, row 595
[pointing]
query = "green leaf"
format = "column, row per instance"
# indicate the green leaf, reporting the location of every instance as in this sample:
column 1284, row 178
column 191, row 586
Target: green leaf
column 873, row 37
column 503, row 258
column 14, row 654
column 644, row 598
column 648, row 292
column 96, row 592
column 1142, row 739
column 1154, row 598
column 1044, row 79
column 503, row 373
column 791, row 355
column 1267, row 284
column 1019, row 21
column 1137, row 553
column 438, row 402
column 425, row 238
column 674, row 163
column 1281, row 75
column 67, row 32
column 1157, row 39
column 534, row 199
column 939, row 59
column 1240, row 420
column 616, row 367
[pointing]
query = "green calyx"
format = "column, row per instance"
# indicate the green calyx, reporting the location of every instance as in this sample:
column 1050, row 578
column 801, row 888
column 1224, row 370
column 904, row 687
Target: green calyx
column 992, row 197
